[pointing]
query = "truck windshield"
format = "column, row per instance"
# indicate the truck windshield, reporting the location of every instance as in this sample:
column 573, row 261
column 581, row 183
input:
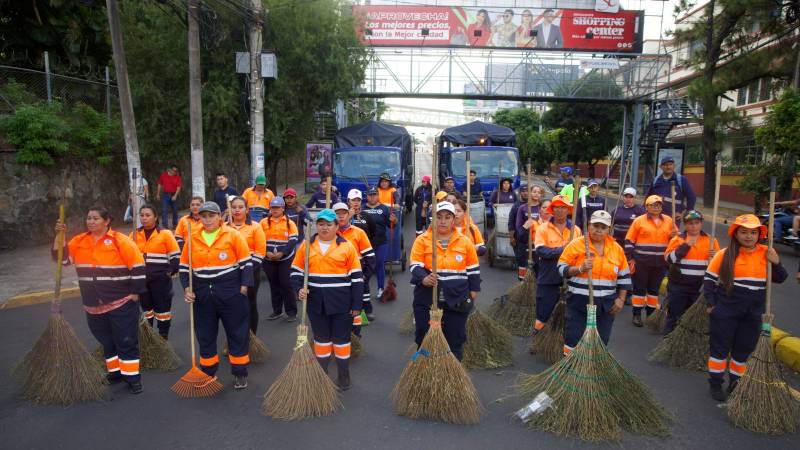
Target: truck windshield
column 486, row 163
column 366, row 163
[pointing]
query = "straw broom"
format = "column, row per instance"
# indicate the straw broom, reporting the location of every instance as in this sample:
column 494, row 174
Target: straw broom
column 656, row 321
column 407, row 323
column 419, row 393
column 302, row 389
column 517, row 311
column 594, row 397
column 489, row 345
column 195, row 382
column 549, row 342
column 762, row 401
column 58, row 369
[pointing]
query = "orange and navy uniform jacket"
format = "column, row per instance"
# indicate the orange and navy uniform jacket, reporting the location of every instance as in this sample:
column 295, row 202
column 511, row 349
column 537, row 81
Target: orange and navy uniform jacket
column 256, row 241
column 548, row 245
column 258, row 203
column 335, row 281
column 181, row 230
column 610, row 272
column 161, row 252
column 749, row 280
column 220, row 269
column 109, row 269
column 281, row 235
column 457, row 268
column 360, row 241
column 388, row 196
column 474, row 235
column 690, row 260
column 646, row 242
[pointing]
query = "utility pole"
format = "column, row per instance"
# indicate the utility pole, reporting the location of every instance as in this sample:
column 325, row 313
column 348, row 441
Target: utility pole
column 125, row 105
column 256, row 94
column 195, row 101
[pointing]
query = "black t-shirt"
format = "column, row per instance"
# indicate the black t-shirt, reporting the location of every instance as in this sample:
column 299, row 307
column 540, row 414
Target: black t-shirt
column 380, row 215
column 366, row 223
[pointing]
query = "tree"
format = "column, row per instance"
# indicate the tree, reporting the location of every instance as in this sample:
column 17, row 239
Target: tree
column 525, row 123
column 589, row 130
column 728, row 54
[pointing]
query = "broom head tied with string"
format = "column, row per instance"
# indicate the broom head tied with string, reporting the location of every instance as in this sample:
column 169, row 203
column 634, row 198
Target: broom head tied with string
column 489, row 345
column 257, row 349
column 155, row 353
column 686, row 347
column 657, row 321
column 407, row 325
column 549, row 341
column 516, row 311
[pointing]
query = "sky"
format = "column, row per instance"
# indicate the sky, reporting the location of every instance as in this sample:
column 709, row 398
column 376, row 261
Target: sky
column 656, row 26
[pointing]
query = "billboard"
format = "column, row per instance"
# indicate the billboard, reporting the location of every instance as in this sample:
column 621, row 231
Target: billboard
column 609, row 31
column 318, row 160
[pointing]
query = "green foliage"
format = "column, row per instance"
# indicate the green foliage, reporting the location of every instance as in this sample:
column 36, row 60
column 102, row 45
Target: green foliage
column 44, row 133
column 757, row 178
column 14, row 93
column 780, row 133
column 525, row 123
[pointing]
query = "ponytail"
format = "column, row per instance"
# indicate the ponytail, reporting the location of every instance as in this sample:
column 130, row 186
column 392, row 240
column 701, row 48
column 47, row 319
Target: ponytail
column 726, row 270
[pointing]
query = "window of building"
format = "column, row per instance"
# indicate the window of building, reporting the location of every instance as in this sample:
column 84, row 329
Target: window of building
column 757, row 91
column 747, row 152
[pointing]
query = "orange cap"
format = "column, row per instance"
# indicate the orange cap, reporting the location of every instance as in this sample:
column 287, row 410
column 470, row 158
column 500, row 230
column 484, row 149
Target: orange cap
column 653, row 199
column 559, row 200
column 748, row 221
column 441, row 195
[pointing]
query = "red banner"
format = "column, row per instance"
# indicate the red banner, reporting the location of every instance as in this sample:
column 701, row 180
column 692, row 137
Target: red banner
column 537, row 28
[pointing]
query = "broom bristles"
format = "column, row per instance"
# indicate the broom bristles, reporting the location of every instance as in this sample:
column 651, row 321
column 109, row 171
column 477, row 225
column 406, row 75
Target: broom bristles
column 58, row 369
column 762, row 401
column 686, row 347
column 356, row 347
column 549, row 341
column 195, row 384
column 489, row 345
column 516, row 311
column 302, row 389
column 389, row 293
column 594, row 397
column 407, row 325
column 154, row 352
column 257, row 349
column 420, row 392
column 657, row 321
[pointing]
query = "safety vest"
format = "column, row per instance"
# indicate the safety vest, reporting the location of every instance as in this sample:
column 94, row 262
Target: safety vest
column 335, row 280
column 360, row 241
column 109, row 268
column 258, row 203
column 691, row 260
column 457, row 266
column 182, row 229
column 647, row 241
column 749, row 279
column 281, row 235
column 220, row 268
column 161, row 252
column 548, row 244
column 256, row 242
column 610, row 271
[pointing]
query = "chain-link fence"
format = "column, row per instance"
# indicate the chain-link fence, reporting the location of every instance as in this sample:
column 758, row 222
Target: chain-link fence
column 99, row 95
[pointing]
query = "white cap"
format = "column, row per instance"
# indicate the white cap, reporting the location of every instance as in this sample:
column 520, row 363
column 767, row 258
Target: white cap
column 354, row 193
column 446, row 206
column 629, row 191
column 339, row 206
column 601, row 217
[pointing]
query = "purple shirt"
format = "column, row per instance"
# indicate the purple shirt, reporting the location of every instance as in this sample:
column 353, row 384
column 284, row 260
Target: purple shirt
column 522, row 216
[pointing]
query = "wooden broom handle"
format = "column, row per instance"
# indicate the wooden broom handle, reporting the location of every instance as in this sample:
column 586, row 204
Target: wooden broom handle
column 191, row 288
column 530, row 203
column 307, row 255
column 60, row 255
column 674, row 207
column 587, row 252
column 467, row 227
column 716, row 202
column 770, row 231
column 434, row 222
column 328, row 193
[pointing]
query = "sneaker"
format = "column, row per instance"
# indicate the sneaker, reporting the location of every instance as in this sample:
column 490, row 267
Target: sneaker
column 717, row 393
column 113, row 378
column 136, row 387
column 637, row 320
column 370, row 317
column 379, row 293
column 239, row 382
column 274, row 316
column 291, row 318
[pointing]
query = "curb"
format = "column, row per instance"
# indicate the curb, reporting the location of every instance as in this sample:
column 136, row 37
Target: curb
column 787, row 348
column 37, row 298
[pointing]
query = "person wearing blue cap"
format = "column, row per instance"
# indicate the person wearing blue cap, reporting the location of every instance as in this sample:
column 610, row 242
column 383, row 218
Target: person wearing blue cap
column 281, row 235
column 685, row 197
column 594, row 202
column 564, row 180
column 382, row 217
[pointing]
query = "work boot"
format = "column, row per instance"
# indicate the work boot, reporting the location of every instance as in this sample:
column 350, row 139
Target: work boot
column 274, row 316
column 732, row 385
column 136, row 387
column 717, row 393
column 113, row 377
column 637, row 320
column 239, row 382
column 323, row 362
column 343, row 370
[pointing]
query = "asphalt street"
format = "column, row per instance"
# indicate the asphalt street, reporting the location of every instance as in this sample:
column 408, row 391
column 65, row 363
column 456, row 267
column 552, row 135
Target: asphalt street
column 158, row 419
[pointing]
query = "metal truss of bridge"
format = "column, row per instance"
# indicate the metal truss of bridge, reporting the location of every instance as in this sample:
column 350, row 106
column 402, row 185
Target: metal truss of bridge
column 516, row 75
column 410, row 116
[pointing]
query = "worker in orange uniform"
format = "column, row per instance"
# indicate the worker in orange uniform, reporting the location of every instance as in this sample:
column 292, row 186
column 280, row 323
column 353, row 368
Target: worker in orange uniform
column 687, row 255
column 735, row 290
column 472, row 231
column 645, row 244
column 282, row 234
column 111, row 277
column 360, row 241
column 161, row 257
column 611, row 279
column 222, row 271
column 258, row 198
column 335, row 293
column 387, row 193
column 457, row 281
column 551, row 239
column 253, row 234
column 194, row 216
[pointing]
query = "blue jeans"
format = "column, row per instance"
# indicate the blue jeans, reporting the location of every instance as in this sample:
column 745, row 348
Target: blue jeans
column 380, row 261
column 166, row 205
column 782, row 223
